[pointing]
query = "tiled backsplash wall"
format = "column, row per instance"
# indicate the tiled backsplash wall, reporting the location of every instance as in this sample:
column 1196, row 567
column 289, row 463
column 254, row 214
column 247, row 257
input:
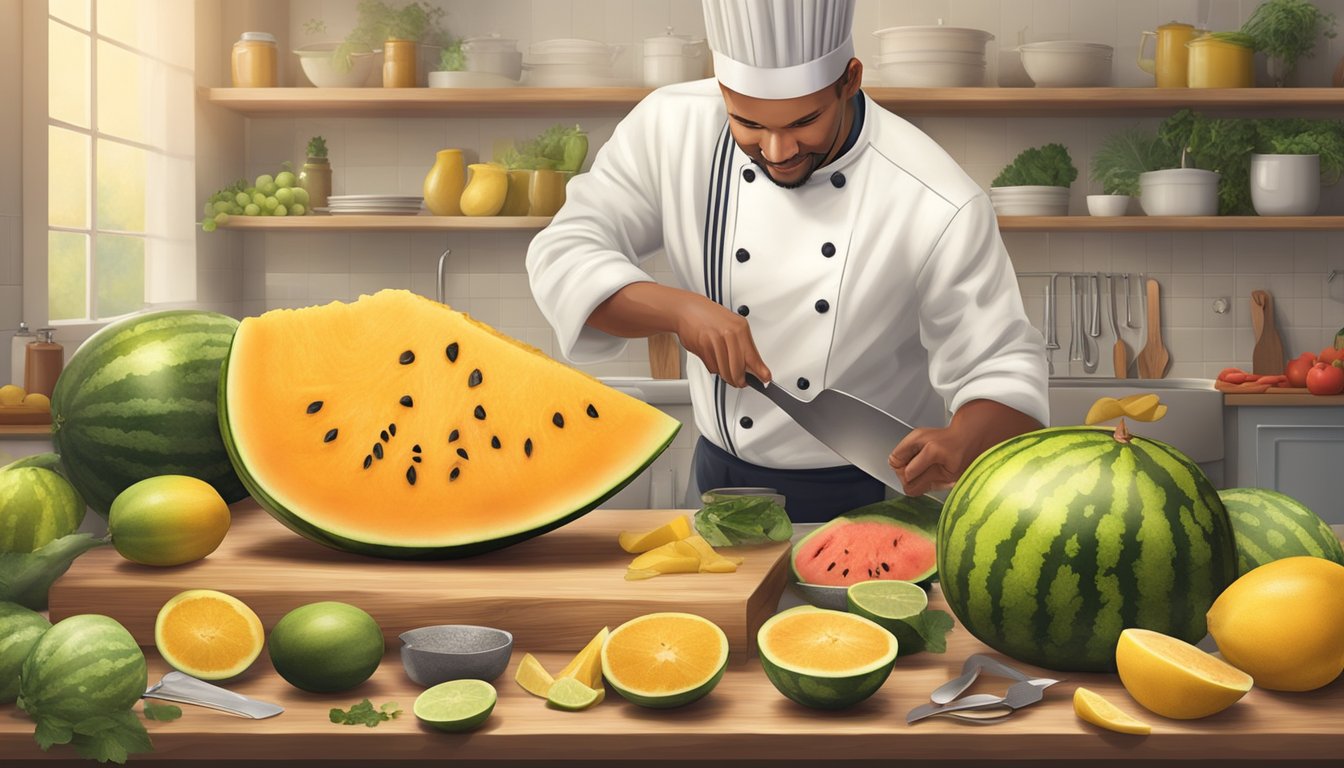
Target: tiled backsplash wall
column 485, row 272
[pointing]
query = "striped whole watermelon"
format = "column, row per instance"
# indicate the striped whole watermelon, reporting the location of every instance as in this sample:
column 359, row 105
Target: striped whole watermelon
column 83, row 666
column 39, row 507
column 1270, row 526
column 20, row 630
column 138, row 399
column 1053, row 542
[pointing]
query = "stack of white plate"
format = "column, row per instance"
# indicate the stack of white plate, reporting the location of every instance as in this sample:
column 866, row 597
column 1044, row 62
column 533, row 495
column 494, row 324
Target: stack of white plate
column 932, row 57
column 1067, row 63
column 384, row 205
column 1030, row 201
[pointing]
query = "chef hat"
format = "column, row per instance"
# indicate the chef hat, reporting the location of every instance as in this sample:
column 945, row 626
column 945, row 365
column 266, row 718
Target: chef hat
column 779, row 49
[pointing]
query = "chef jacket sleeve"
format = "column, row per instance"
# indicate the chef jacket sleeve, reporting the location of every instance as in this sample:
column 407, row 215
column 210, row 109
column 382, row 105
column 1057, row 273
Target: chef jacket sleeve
column 972, row 323
column 611, row 221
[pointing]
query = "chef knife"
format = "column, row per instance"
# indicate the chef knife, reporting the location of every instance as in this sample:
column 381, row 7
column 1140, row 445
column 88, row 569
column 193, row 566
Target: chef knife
column 863, row 434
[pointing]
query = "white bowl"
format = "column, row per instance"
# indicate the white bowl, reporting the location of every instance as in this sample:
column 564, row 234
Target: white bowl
column 320, row 68
column 1067, row 64
column 1179, row 192
column 929, row 38
column 466, row 79
column 1107, row 205
column 1030, row 201
column 932, row 69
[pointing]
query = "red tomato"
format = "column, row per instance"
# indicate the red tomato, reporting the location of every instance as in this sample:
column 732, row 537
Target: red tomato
column 1325, row 379
column 1329, row 355
column 1297, row 371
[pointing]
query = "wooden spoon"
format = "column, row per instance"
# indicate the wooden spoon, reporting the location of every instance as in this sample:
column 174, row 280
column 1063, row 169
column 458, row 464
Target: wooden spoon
column 1267, row 356
column 1153, row 358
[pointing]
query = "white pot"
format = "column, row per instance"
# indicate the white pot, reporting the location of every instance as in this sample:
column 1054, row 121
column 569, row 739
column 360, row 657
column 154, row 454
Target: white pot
column 930, row 38
column 1031, row 200
column 1067, row 64
column 1285, row 185
column 932, row 69
column 320, row 69
column 494, row 54
column 1107, row 205
column 672, row 59
column 1179, row 192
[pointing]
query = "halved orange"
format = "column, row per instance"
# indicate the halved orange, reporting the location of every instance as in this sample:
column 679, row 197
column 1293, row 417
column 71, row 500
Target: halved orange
column 208, row 634
column 666, row 659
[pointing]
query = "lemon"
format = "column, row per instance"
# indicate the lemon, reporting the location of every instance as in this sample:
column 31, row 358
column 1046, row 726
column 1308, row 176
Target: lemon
column 37, row 400
column 11, row 394
column 457, row 705
column 1174, row 678
column 572, row 696
column 533, row 677
column 1283, row 623
column 1096, row 710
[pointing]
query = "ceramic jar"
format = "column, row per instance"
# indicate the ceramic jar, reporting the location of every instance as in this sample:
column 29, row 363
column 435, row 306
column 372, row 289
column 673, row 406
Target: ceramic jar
column 444, row 183
column 547, row 192
column 1217, row 63
column 486, row 191
column 518, row 200
column 399, row 63
column 315, row 178
column 1285, row 185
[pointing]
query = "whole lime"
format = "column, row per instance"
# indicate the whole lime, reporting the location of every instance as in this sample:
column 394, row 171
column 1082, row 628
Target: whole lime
column 326, row 647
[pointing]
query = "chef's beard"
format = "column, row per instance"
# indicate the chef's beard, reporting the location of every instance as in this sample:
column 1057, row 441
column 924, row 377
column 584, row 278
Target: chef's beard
column 814, row 161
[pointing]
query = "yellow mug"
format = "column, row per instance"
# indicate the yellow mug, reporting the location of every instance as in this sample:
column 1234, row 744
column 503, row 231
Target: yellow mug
column 1217, row 63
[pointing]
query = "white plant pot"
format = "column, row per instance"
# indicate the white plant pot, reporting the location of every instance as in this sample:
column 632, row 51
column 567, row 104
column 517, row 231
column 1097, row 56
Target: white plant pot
column 1179, row 192
column 1107, row 205
column 1285, row 185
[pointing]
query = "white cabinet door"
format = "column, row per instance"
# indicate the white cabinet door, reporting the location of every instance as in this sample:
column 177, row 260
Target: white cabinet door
column 1294, row 450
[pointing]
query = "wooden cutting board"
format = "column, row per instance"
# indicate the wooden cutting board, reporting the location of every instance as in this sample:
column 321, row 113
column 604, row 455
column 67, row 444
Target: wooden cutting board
column 1267, row 356
column 553, row 592
column 1153, row 358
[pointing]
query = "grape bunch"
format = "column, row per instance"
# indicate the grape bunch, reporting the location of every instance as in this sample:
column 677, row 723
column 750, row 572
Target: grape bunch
column 278, row 195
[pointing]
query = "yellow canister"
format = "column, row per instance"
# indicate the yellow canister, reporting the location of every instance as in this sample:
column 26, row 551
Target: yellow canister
column 255, row 61
column 547, row 193
column 1218, row 63
column 1171, row 58
column 399, row 63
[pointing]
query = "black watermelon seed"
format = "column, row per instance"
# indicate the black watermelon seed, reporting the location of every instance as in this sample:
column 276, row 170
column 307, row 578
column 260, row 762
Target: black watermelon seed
column 844, row 572
column 462, row 452
column 410, row 475
column 453, row 475
column 558, row 420
column 406, row 401
column 407, row 357
column 452, row 436
column 592, row 411
column 415, row 448
column 494, row 441
column 377, row 450
column 315, row 406
column 475, row 378
column 416, row 459
column 894, row 542
column 480, row 413
column 527, row 446
column 829, row 567
column 392, row 428
column 331, row 435
column 886, row 567
column 368, row 461
column 384, row 435
column 452, row 352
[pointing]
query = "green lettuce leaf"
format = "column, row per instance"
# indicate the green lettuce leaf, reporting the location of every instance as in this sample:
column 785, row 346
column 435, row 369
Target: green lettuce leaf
column 25, row 578
column 739, row 520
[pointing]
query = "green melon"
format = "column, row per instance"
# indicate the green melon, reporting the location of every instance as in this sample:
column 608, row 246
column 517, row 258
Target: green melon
column 1270, row 526
column 825, row 659
column 39, row 506
column 20, row 630
column 1053, row 542
column 83, row 666
column 405, row 429
column 138, row 399
column 893, row 539
column 326, row 646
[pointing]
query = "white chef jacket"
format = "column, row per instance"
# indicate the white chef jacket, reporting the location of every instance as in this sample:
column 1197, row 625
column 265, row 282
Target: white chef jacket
column 884, row 276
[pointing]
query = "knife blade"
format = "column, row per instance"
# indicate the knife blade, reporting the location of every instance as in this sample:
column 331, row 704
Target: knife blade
column 1020, row 694
column 185, row 689
column 863, row 434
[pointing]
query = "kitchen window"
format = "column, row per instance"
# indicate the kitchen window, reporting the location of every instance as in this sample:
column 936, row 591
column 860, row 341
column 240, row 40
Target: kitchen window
column 113, row 113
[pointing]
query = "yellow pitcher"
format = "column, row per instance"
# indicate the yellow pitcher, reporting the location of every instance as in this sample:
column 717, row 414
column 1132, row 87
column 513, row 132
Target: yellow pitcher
column 486, row 191
column 1170, row 61
column 1218, row 63
column 444, row 183
column 518, row 202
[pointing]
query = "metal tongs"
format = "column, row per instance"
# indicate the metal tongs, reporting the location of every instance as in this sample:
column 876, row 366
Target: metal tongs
column 186, row 689
column 981, row 707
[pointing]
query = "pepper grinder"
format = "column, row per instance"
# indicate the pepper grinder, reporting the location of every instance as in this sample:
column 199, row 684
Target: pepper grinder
column 18, row 351
column 43, row 361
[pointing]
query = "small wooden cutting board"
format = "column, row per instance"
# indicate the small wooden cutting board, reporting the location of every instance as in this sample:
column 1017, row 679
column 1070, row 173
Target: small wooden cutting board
column 1267, row 356
column 1153, row 358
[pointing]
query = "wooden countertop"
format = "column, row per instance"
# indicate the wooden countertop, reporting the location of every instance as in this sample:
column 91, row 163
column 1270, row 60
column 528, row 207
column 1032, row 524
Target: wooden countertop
column 1283, row 399
column 24, row 431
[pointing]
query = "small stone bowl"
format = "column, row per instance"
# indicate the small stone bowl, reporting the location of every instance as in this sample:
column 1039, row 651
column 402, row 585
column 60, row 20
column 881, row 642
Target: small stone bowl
column 433, row 655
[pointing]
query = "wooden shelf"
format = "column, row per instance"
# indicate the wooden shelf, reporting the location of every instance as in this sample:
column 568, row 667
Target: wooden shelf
column 971, row 102
column 374, row 223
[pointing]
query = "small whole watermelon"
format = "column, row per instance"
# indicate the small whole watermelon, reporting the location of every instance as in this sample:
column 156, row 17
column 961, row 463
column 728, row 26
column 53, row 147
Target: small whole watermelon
column 139, row 399
column 892, row 539
column 20, row 630
column 1055, row 541
column 1270, row 526
column 39, row 507
column 83, row 666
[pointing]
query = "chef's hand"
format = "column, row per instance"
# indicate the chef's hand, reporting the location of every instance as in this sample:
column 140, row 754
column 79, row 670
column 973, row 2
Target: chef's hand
column 929, row 459
column 721, row 338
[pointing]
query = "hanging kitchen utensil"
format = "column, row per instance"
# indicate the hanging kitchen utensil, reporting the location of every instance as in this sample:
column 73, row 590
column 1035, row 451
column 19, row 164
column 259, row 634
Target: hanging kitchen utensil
column 1091, row 299
column 1153, row 358
column 664, row 356
column 1267, row 356
column 1051, row 337
column 1120, row 353
column 1075, row 321
column 1129, row 316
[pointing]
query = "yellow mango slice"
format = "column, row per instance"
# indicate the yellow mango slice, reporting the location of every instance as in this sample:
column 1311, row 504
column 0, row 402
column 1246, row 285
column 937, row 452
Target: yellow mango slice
column 1140, row 407
column 659, row 553
column 636, row 542
column 710, row 561
column 639, row 574
column 586, row 666
column 533, row 677
column 1104, row 409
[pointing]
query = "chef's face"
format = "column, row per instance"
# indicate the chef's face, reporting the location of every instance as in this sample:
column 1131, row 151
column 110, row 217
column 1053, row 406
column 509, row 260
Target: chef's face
column 792, row 138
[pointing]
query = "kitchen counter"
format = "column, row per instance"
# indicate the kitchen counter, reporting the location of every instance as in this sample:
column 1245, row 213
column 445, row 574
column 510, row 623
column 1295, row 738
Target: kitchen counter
column 1283, row 399
column 25, row 431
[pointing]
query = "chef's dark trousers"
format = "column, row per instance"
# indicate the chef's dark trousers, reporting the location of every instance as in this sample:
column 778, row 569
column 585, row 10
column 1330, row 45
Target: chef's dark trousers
column 810, row 495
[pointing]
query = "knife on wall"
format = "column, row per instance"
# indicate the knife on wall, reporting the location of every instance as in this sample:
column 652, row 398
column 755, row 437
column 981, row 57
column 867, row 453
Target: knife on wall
column 863, row 434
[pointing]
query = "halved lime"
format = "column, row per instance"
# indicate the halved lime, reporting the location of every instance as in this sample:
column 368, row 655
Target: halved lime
column 572, row 696
column 895, row 606
column 457, row 705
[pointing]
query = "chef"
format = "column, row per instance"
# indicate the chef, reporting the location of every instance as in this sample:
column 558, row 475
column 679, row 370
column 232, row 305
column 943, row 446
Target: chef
column 816, row 241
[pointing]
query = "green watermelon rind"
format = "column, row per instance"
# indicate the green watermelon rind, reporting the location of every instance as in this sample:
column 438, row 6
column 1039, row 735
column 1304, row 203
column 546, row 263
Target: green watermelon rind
column 44, row 500
column 673, row 700
column 1259, row 513
column 917, row 514
column 1180, row 612
column 313, row 532
column 83, row 666
column 820, row 690
column 20, row 629
column 110, row 435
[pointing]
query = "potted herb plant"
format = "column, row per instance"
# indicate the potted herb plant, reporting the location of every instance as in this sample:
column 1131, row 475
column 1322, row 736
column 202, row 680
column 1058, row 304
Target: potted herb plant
column 315, row 176
column 452, row 60
column 1117, row 165
column 1293, row 158
column 1035, row 183
column 1205, row 168
column 1287, row 30
column 410, row 35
